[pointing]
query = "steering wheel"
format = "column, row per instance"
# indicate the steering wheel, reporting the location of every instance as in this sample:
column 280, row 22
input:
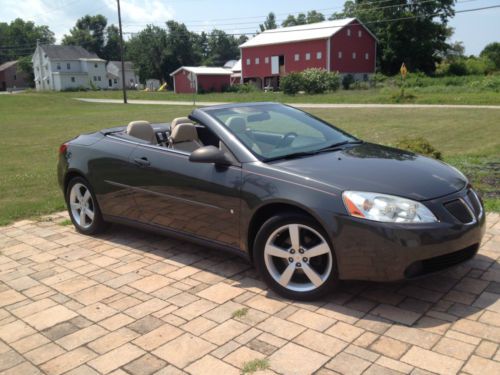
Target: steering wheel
column 287, row 139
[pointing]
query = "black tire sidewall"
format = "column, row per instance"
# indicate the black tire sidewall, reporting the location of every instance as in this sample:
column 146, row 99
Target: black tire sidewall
column 260, row 241
column 98, row 225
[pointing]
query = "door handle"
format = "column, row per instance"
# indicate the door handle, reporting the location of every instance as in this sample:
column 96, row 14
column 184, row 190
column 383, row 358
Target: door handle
column 142, row 162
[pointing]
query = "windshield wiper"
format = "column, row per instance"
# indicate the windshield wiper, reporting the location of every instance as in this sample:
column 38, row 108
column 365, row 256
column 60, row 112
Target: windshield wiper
column 336, row 146
column 332, row 147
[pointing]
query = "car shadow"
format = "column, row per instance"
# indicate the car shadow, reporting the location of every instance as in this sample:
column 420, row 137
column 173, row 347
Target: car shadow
column 428, row 302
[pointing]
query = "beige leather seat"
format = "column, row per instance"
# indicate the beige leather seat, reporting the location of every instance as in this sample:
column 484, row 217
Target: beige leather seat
column 180, row 120
column 142, row 130
column 238, row 126
column 184, row 137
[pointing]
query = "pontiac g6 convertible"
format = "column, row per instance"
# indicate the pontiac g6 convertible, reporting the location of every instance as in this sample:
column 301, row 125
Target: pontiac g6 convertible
column 305, row 202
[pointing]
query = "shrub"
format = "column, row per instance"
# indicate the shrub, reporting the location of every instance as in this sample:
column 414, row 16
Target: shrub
column 457, row 68
column 479, row 66
column 418, row 145
column 347, row 81
column 333, row 81
column 315, row 81
column 292, row 83
column 242, row 88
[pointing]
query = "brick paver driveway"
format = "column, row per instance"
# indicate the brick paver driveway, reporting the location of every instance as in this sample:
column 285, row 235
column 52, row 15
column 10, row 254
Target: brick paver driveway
column 132, row 302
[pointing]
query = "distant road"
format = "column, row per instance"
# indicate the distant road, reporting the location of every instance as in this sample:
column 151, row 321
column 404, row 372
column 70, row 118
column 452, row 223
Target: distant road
column 298, row 105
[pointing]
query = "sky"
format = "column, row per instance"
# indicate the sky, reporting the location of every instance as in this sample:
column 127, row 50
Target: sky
column 475, row 29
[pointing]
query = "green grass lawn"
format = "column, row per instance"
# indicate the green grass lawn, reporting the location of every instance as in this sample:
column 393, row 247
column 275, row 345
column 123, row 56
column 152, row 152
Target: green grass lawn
column 32, row 126
column 384, row 95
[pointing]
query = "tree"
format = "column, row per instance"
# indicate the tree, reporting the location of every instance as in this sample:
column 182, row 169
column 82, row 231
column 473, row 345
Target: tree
column 269, row 23
column 291, row 20
column 492, row 52
column 19, row 38
column 89, row 33
column 111, row 50
column 221, row 48
column 314, row 16
column 148, row 51
column 408, row 31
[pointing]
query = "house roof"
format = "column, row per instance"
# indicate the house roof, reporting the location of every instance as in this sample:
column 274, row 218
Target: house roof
column 129, row 65
column 58, row 52
column 312, row 31
column 7, row 65
column 209, row 70
column 237, row 67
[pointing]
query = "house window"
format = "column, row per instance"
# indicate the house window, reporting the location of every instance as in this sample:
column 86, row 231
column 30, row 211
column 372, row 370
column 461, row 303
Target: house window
column 257, row 61
column 248, row 61
column 58, row 66
column 348, row 32
column 340, row 54
column 95, row 65
column 99, row 78
column 308, row 56
column 115, row 81
column 68, row 66
column 360, row 33
column 367, row 56
column 95, row 78
column 319, row 55
column 72, row 79
column 297, row 57
column 15, row 77
column 354, row 55
column 266, row 60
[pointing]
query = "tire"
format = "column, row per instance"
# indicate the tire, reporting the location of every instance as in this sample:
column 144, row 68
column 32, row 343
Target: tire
column 285, row 266
column 80, row 196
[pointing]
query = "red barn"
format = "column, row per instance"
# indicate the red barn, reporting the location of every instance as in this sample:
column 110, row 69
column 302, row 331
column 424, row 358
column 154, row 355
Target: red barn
column 345, row 45
column 11, row 77
column 189, row 79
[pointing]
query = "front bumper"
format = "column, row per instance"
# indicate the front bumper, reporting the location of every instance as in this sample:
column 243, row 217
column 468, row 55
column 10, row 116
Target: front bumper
column 368, row 250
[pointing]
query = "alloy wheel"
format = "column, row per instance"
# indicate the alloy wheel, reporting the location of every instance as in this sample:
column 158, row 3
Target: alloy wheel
column 82, row 205
column 298, row 257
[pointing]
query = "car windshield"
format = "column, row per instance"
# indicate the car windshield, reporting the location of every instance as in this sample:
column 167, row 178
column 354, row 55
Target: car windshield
column 275, row 131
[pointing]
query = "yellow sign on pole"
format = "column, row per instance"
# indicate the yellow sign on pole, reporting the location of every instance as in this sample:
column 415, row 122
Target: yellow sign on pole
column 403, row 71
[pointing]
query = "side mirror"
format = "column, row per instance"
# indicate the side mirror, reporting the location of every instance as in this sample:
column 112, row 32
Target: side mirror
column 210, row 154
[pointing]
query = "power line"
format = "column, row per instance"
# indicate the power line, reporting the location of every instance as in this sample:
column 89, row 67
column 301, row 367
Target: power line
column 284, row 29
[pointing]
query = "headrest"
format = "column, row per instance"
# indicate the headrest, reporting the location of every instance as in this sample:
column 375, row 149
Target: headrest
column 237, row 124
column 142, row 130
column 179, row 120
column 184, row 133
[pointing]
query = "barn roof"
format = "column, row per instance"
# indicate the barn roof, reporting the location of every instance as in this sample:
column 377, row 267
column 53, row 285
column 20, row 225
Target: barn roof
column 312, row 31
column 7, row 65
column 209, row 70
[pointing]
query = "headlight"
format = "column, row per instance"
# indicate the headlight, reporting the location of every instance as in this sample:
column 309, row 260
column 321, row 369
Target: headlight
column 386, row 208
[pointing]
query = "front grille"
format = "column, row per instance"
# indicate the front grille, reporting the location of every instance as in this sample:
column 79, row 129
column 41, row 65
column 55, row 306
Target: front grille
column 441, row 262
column 474, row 201
column 459, row 210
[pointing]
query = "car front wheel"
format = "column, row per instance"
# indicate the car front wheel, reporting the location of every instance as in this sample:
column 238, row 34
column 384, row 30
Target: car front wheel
column 294, row 257
column 83, row 208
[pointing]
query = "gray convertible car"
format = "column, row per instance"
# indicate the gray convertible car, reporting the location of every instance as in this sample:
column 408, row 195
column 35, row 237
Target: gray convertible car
column 304, row 201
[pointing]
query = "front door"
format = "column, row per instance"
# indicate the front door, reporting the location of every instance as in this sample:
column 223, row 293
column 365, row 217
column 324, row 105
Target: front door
column 195, row 198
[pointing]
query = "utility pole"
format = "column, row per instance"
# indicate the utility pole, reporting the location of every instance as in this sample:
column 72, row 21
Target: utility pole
column 121, row 54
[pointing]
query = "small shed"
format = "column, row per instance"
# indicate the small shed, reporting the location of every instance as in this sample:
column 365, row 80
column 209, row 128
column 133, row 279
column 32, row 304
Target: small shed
column 189, row 79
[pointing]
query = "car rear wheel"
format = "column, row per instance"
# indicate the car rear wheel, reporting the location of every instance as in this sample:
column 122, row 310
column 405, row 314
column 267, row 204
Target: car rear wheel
column 295, row 258
column 83, row 208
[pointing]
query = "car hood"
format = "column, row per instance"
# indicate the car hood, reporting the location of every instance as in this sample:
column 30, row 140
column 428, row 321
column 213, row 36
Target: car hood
column 380, row 169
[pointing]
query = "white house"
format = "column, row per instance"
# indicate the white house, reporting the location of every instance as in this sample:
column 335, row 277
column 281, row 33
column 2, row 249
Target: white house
column 114, row 75
column 65, row 67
